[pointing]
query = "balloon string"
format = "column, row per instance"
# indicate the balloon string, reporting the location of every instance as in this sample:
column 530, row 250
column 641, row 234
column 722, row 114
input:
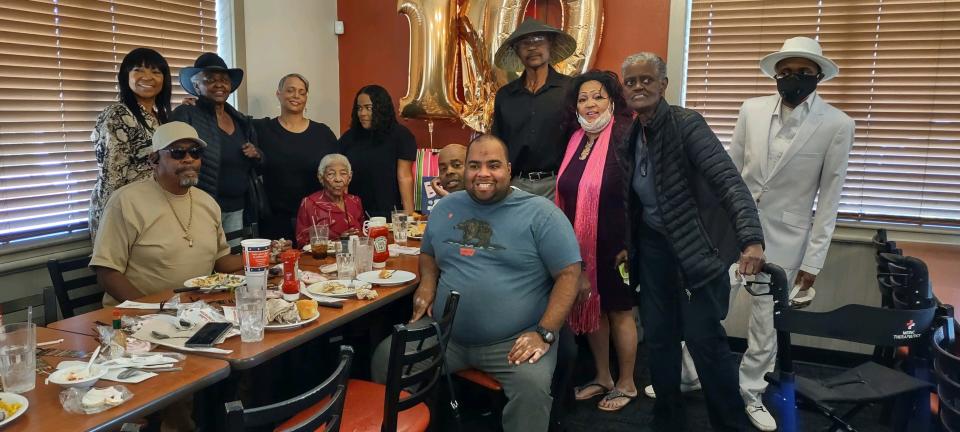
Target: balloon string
column 430, row 130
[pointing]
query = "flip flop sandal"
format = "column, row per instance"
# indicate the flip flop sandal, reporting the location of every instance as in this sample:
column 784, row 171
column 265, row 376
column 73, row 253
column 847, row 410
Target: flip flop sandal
column 616, row 394
column 579, row 389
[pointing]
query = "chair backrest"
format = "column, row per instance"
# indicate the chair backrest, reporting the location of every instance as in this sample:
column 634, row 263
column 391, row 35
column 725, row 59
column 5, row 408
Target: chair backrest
column 333, row 390
column 82, row 280
column 909, row 281
column 428, row 356
column 852, row 322
column 44, row 308
column 247, row 232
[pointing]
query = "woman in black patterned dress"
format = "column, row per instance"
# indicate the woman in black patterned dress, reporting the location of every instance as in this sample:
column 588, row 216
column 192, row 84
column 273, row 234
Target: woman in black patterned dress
column 124, row 129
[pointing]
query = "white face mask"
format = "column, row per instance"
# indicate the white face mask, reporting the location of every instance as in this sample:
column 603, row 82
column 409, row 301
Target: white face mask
column 598, row 124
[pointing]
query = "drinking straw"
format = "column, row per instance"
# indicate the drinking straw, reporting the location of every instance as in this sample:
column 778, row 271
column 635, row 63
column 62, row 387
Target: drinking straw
column 29, row 314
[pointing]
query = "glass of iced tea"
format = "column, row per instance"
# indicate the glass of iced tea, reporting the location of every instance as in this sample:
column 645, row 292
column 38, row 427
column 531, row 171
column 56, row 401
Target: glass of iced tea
column 318, row 241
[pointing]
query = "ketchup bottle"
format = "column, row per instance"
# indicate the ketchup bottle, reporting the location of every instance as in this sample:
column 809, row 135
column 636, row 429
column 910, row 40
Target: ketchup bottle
column 378, row 232
column 291, row 281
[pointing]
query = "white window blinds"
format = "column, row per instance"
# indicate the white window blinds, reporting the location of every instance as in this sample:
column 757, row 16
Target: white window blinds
column 899, row 80
column 58, row 70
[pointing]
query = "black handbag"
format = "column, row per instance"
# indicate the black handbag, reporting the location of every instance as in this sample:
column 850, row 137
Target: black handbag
column 257, row 197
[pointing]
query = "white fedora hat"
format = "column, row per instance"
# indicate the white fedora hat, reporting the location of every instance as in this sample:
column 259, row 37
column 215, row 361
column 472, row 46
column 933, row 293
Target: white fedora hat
column 800, row 47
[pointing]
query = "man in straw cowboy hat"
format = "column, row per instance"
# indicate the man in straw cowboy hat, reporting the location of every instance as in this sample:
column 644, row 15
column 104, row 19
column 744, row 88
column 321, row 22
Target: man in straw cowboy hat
column 791, row 149
column 527, row 112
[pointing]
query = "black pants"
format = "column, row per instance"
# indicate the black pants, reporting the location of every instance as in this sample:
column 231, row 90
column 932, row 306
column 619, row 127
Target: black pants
column 669, row 316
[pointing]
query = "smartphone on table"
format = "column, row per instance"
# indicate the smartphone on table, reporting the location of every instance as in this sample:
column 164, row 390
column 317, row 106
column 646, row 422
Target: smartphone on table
column 207, row 335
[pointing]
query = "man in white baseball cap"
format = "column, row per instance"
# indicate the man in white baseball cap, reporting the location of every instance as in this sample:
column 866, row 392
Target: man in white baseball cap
column 791, row 149
column 161, row 231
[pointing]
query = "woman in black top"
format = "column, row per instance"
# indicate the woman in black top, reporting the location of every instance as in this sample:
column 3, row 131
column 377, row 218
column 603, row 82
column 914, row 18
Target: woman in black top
column 293, row 145
column 381, row 152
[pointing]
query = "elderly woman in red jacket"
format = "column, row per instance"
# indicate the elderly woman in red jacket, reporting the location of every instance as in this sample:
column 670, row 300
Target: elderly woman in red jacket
column 331, row 205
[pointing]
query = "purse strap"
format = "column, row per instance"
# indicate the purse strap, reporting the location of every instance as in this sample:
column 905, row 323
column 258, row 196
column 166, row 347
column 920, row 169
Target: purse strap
column 454, row 404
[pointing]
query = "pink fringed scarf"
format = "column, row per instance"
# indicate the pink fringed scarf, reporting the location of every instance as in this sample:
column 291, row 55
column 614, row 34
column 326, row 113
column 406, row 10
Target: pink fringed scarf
column 585, row 317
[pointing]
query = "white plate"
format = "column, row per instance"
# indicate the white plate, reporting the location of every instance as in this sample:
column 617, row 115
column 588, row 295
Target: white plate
column 314, row 289
column 14, row 398
column 399, row 277
column 293, row 325
column 234, row 281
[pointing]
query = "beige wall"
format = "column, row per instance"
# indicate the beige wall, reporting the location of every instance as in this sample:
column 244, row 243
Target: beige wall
column 282, row 37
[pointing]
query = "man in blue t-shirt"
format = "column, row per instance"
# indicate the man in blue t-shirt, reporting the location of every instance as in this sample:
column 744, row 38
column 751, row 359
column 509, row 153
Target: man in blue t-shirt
column 515, row 260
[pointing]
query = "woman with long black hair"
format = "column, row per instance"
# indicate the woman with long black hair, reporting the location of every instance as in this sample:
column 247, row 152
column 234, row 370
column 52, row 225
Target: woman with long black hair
column 381, row 152
column 124, row 129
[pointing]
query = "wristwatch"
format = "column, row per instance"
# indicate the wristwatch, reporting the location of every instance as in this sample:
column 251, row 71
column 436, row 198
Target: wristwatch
column 546, row 335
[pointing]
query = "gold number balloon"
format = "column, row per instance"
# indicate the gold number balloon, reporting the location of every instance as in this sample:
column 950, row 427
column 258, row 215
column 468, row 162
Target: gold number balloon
column 468, row 37
column 431, row 92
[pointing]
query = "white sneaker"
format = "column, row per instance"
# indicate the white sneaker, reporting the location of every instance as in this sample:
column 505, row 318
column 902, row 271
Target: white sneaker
column 684, row 388
column 761, row 418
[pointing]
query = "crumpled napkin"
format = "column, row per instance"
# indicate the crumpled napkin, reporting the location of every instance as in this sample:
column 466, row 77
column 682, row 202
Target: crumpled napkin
column 282, row 312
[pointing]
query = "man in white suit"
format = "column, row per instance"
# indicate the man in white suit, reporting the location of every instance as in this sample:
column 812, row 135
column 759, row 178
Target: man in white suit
column 791, row 149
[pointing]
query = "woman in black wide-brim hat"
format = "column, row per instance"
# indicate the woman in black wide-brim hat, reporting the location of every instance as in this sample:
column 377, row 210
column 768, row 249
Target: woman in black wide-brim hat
column 231, row 156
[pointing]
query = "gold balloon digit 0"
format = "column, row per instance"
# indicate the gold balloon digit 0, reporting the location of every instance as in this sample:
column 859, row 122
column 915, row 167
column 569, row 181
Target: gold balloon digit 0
column 445, row 38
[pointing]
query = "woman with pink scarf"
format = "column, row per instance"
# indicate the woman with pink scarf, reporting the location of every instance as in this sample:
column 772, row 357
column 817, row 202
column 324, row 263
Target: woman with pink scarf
column 590, row 192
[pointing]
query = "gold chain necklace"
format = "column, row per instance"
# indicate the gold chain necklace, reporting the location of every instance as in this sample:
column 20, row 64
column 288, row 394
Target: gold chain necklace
column 586, row 150
column 186, row 229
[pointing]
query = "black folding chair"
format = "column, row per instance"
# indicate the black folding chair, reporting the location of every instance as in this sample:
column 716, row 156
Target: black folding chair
column 44, row 308
column 412, row 378
column 859, row 386
column 247, row 232
column 947, row 369
column 330, row 395
column 72, row 276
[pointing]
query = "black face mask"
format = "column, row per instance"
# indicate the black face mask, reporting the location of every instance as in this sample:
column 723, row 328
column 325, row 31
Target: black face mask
column 795, row 88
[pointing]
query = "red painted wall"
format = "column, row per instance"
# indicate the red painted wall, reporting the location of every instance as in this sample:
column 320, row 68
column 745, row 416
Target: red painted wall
column 374, row 50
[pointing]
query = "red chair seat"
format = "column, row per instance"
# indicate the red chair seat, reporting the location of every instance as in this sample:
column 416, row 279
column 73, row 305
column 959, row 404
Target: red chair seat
column 480, row 378
column 363, row 411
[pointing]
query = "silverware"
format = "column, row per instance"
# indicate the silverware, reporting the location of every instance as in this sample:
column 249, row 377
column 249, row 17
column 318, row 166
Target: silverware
column 129, row 373
column 162, row 336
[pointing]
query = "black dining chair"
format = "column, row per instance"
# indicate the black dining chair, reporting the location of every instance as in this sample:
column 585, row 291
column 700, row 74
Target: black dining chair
column 44, row 308
column 327, row 399
column 856, row 387
column 247, row 232
column 412, row 377
column 74, row 276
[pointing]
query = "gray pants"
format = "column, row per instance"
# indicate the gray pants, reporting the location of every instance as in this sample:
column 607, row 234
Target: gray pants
column 527, row 386
column 545, row 187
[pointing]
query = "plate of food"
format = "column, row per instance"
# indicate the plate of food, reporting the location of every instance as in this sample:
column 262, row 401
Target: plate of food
column 415, row 230
column 386, row 277
column 12, row 406
column 216, row 282
column 333, row 288
column 284, row 315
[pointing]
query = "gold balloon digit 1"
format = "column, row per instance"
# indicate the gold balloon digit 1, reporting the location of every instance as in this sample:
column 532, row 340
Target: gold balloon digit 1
column 431, row 91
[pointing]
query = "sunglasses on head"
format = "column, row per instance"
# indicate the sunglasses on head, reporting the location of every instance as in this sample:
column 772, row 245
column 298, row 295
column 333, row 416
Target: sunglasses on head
column 179, row 153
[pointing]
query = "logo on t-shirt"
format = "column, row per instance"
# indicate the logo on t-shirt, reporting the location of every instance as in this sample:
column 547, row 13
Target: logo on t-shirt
column 476, row 234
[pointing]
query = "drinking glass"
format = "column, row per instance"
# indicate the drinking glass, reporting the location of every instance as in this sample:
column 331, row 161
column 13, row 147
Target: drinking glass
column 318, row 240
column 251, row 312
column 18, row 358
column 399, row 227
column 346, row 266
column 364, row 255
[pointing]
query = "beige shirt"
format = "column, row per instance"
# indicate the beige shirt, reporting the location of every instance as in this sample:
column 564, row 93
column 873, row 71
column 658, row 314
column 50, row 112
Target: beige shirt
column 140, row 237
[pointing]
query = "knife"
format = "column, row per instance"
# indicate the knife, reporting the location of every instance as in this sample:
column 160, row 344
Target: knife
column 335, row 305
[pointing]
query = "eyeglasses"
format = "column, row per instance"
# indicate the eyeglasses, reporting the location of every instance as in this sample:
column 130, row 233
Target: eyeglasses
column 800, row 74
column 531, row 41
column 179, row 153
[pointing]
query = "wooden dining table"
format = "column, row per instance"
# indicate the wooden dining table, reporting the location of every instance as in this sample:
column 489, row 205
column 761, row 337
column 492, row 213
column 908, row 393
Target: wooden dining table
column 246, row 355
column 45, row 412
